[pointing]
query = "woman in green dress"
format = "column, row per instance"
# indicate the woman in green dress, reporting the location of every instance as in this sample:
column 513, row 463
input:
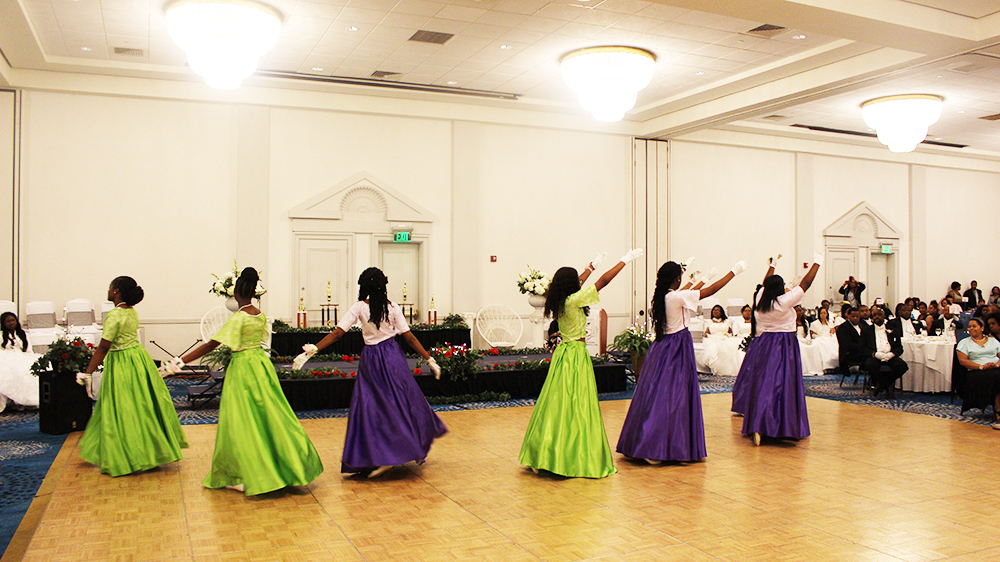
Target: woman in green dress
column 134, row 426
column 260, row 445
column 566, row 433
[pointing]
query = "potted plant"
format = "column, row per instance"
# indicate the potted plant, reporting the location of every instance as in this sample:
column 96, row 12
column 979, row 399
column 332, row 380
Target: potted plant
column 64, row 405
column 634, row 340
column 534, row 283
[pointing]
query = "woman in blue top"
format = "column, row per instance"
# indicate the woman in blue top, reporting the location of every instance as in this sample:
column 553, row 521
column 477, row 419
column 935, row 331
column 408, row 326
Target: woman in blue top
column 979, row 354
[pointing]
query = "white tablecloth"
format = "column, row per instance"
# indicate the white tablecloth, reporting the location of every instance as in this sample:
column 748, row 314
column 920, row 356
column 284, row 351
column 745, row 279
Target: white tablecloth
column 930, row 364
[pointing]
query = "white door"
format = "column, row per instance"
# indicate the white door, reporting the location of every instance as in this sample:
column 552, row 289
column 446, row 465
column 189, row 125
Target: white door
column 323, row 263
column 842, row 264
column 880, row 279
column 401, row 264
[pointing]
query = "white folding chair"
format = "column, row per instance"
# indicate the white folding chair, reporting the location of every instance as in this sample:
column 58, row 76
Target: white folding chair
column 706, row 304
column 106, row 307
column 499, row 325
column 8, row 306
column 40, row 324
column 734, row 306
column 81, row 322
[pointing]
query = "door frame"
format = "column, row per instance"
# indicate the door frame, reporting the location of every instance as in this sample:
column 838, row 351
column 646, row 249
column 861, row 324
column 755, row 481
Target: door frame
column 422, row 241
column 298, row 255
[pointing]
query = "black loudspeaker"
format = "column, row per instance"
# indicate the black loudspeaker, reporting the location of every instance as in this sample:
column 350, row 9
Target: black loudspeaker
column 63, row 405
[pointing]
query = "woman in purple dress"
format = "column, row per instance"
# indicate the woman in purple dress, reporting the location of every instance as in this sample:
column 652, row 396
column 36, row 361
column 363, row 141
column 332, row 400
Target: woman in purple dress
column 775, row 396
column 389, row 422
column 743, row 376
column 664, row 420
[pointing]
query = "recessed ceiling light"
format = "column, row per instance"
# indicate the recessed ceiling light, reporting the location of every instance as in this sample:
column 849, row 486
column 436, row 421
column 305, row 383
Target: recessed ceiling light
column 352, row 28
column 699, row 73
column 798, row 37
column 939, row 76
column 961, row 111
column 318, row 68
column 85, row 49
column 452, row 82
column 506, row 47
column 938, row 138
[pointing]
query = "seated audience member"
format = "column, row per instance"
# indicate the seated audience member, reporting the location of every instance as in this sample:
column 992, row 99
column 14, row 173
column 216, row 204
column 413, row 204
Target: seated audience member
column 852, row 289
column 931, row 315
column 825, row 304
column 980, row 312
column 888, row 351
column 979, row 354
column 865, row 314
column 718, row 326
column 946, row 321
column 741, row 325
column 903, row 324
column 879, row 303
column 972, row 296
column 994, row 296
column 953, row 305
column 993, row 325
column 853, row 341
column 955, row 292
column 822, row 327
column 919, row 312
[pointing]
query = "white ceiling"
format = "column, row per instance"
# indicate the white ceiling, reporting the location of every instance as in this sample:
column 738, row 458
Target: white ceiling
column 709, row 70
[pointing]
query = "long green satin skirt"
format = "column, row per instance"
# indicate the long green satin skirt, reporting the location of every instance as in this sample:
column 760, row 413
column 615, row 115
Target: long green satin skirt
column 134, row 426
column 259, row 443
column 566, row 433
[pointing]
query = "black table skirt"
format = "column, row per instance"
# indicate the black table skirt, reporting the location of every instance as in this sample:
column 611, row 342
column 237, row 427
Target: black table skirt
column 333, row 393
column 289, row 344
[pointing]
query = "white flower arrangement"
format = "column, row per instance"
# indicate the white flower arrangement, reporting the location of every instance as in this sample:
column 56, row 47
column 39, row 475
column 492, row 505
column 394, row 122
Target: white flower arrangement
column 226, row 283
column 533, row 282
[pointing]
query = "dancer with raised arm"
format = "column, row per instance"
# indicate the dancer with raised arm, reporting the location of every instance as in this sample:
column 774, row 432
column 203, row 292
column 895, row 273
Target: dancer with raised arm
column 775, row 395
column 389, row 422
column 134, row 426
column 260, row 446
column 664, row 420
column 566, row 433
column 743, row 376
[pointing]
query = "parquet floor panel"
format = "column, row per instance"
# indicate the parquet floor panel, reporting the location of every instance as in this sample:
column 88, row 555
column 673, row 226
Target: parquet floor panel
column 869, row 485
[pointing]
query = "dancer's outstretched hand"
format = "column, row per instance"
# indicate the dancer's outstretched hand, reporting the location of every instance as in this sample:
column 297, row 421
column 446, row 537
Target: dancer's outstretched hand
column 818, row 259
column 173, row 366
column 693, row 275
column 598, row 260
column 434, row 367
column 631, row 255
column 773, row 262
column 687, row 263
column 310, row 349
column 300, row 360
column 709, row 276
column 740, row 267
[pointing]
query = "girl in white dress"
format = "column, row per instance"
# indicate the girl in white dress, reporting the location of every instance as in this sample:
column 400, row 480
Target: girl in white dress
column 824, row 333
column 720, row 345
column 17, row 384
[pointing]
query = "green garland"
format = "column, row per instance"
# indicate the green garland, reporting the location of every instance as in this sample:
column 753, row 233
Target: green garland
column 487, row 396
column 450, row 322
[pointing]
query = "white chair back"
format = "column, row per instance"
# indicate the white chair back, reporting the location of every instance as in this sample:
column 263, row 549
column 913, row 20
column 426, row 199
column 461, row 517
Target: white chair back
column 40, row 314
column 706, row 304
column 213, row 320
column 499, row 325
column 106, row 307
column 80, row 312
column 8, row 306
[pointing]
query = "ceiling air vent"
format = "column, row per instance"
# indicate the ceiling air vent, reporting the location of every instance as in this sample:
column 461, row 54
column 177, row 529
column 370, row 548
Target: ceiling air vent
column 431, row 37
column 994, row 117
column 384, row 74
column 128, row 52
column 775, row 118
column 766, row 31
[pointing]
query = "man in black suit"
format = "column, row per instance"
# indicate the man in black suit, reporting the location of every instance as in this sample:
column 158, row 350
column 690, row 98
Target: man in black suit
column 853, row 341
column 865, row 314
column 946, row 320
column 972, row 297
column 888, row 352
column 902, row 324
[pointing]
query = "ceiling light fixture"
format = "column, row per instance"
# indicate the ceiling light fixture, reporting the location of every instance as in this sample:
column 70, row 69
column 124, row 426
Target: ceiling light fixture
column 901, row 121
column 351, row 28
column 506, row 47
column 88, row 49
column 608, row 79
column 223, row 39
column 798, row 37
column 452, row 82
column 699, row 73
column 318, row 69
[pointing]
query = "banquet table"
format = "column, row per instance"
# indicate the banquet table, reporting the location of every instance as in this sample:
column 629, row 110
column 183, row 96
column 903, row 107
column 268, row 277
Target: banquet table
column 930, row 361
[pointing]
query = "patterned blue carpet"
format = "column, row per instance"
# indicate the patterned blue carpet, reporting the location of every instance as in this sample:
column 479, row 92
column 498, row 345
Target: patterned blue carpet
column 26, row 454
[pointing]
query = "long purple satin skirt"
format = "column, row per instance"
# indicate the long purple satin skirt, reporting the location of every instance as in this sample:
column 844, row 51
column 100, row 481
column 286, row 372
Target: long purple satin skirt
column 390, row 421
column 741, row 384
column 775, row 396
column 664, row 420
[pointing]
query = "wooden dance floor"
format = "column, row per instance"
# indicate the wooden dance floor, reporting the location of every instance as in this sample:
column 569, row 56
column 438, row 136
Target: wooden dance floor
column 871, row 484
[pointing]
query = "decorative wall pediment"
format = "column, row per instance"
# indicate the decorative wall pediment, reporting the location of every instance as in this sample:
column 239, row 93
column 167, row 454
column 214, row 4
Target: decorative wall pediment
column 362, row 197
column 864, row 225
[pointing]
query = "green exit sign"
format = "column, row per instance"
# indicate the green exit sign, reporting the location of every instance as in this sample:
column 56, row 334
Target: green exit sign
column 401, row 236
column 886, row 248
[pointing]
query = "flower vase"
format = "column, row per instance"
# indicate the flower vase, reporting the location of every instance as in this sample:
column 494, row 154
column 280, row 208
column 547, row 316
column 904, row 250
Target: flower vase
column 537, row 301
column 232, row 305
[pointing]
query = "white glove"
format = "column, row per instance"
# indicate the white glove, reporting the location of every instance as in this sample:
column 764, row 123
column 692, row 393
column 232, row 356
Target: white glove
column 687, row 263
column 631, row 255
column 740, row 267
column 173, row 366
column 709, row 276
column 300, row 360
column 795, row 283
column 694, row 275
column 434, row 367
column 310, row 349
column 598, row 260
column 84, row 380
column 818, row 259
column 773, row 262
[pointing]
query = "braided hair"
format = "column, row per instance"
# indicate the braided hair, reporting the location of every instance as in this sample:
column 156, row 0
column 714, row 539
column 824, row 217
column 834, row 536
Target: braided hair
column 666, row 276
column 246, row 284
column 565, row 282
column 372, row 286
column 130, row 291
column 12, row 335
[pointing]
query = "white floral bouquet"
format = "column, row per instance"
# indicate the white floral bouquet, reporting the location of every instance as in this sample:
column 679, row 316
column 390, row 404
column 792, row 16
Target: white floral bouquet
column 533, row 282
column 226, row 283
